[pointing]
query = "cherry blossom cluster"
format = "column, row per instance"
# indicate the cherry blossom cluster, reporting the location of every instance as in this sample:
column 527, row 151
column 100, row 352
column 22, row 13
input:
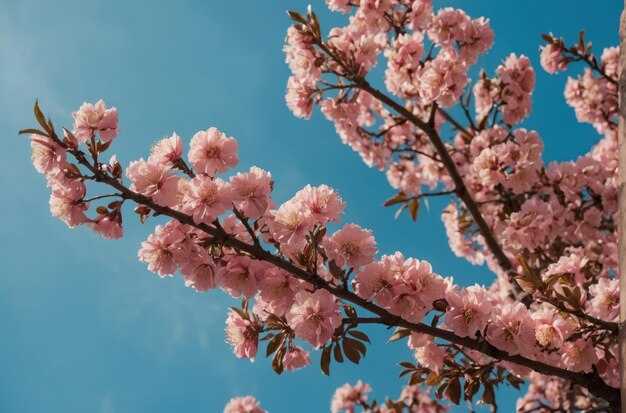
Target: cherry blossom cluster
column 555, row 222
column 352, row 398
column 306, row 289
column 95, row 125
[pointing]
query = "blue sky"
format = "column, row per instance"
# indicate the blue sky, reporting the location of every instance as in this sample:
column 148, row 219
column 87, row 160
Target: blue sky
column 86, row 328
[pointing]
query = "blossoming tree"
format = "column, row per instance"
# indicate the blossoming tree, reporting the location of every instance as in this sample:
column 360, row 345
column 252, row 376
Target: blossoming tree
column 547, row 232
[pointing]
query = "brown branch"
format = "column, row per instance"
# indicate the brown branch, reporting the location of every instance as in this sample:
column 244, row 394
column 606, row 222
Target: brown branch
column 461, row 189
column 590, row 381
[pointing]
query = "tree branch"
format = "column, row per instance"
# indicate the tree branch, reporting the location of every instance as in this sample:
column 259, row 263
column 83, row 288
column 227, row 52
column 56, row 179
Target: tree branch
column 590, row 381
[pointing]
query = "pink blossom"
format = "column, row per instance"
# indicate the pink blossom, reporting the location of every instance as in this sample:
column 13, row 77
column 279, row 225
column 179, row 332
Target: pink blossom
column 352, row 246
column 240, row 276
column 108, row 226
column 443, row 79
column 48, row 157
column 153, row 180
column 299, row 97
column 578, row 356
column 430, row 356
column 196, row 265
column 66, row 202
column 296, row 358
column 301, row 56
column 243, row 405
column 339, row 5
column 242, row 335
column 518, row 77
column 347, row 397
column 469, row 311
column 278, row 289
column 420, row 15
column 551, row 330
column 201, row 277
column 403, row 62
column 477, row 39
column 447, row 26
column 375, row 281
column 251, row 192
column 605, row 302
column 158, row 250
column 408, row 303
column 551, row 59
column 213, row 152
column 90, row 119
column 314, row 317
column 322, row 201
column 610, row 61
column 290, row 224
column 167, row 151
column 484, row 93
column 512, row 329
column 206, row 198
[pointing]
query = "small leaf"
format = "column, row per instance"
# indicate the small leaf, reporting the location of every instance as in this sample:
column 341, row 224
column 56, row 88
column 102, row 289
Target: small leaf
column 295, row 16
column 274, row 343
column 398, row 334
column 40, row 117
column 415, row 379
column 102, row 210
column 407, row 365
column 360, row 335
column 396, row 199
column 325, row 361
column 433, row 379
column 488, row 397
column 337, row 353
column 471, row 388
column 414, row 207
column 351, row 352
column 547, row 37
column 453, row 391
column 267, row 337
column 32, row 131
column 240, row 312
column 335, row 270
column 360, row 347
column 277, row 362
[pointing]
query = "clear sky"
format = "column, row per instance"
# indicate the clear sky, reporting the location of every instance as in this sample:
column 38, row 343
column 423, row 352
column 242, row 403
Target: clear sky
column 85, row 327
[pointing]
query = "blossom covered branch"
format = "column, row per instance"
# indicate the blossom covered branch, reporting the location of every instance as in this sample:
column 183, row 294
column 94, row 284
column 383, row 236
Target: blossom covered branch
column 230, row 254
column 546, row 231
